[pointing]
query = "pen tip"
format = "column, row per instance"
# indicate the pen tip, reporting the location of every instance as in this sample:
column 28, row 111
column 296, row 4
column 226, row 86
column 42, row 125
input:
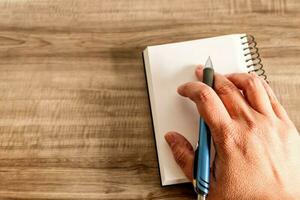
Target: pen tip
column 208, row 63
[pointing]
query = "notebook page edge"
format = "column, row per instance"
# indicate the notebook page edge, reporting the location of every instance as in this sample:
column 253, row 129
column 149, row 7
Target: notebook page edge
column 153, row 114
column 191, row 41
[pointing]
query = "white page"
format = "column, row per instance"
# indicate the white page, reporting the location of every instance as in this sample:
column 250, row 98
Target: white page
column 167, row 67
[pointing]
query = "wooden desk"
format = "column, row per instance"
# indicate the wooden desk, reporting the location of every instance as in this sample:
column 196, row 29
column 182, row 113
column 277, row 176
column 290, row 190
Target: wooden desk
column 74, row 114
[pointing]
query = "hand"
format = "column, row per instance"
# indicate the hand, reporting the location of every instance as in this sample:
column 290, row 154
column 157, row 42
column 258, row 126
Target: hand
column 257, row 145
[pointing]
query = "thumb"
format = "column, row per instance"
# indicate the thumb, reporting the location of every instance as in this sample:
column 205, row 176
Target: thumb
column 182, row 151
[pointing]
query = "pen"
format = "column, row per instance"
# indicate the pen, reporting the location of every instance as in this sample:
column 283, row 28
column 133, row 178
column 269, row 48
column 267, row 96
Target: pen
column 202, row 153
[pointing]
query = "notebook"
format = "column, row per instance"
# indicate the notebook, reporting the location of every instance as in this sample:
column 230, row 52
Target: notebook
column 169, row 65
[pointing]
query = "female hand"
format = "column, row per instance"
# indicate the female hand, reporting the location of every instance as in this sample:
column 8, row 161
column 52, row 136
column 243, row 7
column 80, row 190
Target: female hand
column 257, row 145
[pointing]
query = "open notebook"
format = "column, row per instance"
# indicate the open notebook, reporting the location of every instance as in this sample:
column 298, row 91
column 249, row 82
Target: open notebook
column 170, row 65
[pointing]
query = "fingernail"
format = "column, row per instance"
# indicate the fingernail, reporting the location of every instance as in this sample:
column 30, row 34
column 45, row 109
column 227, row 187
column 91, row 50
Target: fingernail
column 180, row 89
column 170, row 138
column 199, row 67
column 254, row 74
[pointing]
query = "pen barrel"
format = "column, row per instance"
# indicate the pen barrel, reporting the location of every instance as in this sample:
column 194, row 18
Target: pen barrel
column 203, row 159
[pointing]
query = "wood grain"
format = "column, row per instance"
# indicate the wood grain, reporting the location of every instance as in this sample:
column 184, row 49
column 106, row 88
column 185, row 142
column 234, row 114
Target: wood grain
column 74, row 114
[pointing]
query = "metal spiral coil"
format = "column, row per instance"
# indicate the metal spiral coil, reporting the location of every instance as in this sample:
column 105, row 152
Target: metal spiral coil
column 255, row 57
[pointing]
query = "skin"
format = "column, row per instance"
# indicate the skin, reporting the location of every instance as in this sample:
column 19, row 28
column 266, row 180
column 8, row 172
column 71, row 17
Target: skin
column 257, row 145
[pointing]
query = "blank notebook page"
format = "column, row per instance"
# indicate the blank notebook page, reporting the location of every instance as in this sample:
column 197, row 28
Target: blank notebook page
column 170, row 65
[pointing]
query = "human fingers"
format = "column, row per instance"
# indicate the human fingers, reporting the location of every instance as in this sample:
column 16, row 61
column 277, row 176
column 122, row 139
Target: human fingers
column 230, row 95
column 199, row 72
column 210, row 108
column 182, row 151
column 254, row 91
column 277, row 107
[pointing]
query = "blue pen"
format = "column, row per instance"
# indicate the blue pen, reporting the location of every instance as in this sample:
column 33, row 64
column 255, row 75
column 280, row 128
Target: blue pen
column 202, row 153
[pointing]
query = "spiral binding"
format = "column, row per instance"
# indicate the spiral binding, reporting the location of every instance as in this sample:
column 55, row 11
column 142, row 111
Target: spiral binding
column 256, row 64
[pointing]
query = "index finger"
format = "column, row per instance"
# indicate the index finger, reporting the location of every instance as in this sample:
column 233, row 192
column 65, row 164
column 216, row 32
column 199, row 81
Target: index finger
column 210, row 107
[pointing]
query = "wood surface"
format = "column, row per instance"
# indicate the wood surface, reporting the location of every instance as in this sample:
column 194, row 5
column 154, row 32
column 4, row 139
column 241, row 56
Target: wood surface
column 74, row 115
